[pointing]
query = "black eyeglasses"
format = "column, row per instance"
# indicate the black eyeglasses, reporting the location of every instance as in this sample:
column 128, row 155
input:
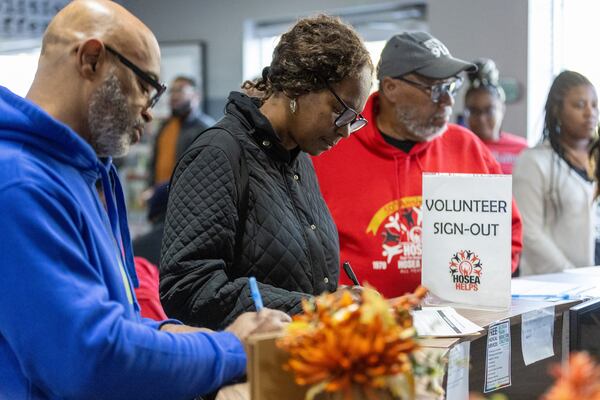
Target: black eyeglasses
column 438, row 90
column 158, row 88
column 348, row 116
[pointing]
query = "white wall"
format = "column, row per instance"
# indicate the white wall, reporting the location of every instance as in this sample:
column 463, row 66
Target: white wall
column 495, row 29
column 543, row 33
column 470, row 28
column 220, row 24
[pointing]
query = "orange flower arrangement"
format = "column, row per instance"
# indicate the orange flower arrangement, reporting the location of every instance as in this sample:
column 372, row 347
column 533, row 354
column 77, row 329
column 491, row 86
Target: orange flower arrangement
column 344, row 339
column 577, row 379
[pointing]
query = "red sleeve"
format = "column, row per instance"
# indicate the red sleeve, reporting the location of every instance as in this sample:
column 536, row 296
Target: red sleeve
column 147, row 293
column 517, row 236
column 517, row 225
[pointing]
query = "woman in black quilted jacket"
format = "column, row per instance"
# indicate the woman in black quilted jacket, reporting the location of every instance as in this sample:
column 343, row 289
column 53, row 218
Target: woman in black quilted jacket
column 244, row 198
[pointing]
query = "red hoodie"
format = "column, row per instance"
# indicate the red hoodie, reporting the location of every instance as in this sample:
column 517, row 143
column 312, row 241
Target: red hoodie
column 373, row 190
column 507, row 149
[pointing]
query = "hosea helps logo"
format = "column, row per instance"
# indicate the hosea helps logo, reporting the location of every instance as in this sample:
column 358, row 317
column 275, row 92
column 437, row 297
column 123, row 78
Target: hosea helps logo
column 399, row 225
column 465, row 269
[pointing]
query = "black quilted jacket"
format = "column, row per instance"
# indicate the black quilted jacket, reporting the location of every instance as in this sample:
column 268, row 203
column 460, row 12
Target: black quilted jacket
column 290, row 242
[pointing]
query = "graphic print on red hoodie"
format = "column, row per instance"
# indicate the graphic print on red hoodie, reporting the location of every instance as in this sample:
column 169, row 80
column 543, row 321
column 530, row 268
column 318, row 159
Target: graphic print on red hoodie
column 373, row 191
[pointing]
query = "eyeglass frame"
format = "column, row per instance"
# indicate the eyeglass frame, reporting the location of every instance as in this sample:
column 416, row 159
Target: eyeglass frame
column 160, row 87
column 358, row 117
column 435, row 98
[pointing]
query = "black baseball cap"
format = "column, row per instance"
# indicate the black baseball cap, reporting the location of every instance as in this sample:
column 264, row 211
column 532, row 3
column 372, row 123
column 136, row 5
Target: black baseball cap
column 421, row 53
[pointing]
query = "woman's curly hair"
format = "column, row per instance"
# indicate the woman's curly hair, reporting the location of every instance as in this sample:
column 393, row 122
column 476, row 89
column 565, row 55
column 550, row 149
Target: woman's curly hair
column 314, row 51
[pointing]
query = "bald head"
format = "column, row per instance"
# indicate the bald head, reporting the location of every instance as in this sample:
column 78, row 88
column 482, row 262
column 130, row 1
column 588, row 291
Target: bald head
column 77, row 76
column 99, row 19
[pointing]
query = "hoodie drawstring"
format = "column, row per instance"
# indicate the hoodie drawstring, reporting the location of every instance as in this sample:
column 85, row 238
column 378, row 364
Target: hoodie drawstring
column 123, row 226
column 119, row 229
column 397, row 188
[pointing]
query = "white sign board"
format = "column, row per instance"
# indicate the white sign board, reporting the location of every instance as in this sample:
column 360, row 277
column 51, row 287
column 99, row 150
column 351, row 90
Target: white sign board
column 467, row 238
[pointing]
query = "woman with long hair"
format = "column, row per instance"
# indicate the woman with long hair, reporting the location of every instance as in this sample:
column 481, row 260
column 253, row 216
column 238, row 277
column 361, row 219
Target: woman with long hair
column 553, row 182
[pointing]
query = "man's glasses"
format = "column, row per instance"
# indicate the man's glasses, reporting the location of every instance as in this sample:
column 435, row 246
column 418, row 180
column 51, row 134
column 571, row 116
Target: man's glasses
column 158, row 88
column 348, row 116
column 438, row 90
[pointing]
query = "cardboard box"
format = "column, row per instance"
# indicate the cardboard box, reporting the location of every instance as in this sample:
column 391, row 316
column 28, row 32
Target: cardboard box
column 269, row 381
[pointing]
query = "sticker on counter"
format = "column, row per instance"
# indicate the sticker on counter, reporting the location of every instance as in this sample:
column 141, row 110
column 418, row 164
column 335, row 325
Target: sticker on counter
column 497, row 357
column 537, row 331
column 457, row 387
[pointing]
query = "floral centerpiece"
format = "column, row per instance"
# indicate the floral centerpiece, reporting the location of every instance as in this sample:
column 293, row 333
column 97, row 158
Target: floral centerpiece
column 356, row 344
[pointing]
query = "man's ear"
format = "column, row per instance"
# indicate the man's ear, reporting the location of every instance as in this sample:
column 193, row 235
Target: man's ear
column 389, row 88
column 90, row 55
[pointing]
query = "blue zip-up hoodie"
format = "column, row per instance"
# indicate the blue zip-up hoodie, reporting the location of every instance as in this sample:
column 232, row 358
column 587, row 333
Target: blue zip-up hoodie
column 70, row 326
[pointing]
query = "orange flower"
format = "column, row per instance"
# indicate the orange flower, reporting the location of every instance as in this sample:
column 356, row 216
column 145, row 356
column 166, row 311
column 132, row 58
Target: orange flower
column 342, row 340
column 577, row 379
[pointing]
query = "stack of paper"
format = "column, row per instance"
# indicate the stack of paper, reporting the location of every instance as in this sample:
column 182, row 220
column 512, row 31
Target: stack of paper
column 443, row 322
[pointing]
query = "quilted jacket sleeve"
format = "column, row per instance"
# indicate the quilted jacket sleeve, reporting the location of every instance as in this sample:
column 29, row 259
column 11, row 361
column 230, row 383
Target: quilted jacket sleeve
column 199, row 285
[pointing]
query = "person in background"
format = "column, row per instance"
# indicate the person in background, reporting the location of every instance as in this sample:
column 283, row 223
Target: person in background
column 553, row 182
column 176, row 134
column 148, row 244
column 71, row 326
column 146, row 249
column 147, row 291
column 276, row 227
column 372, row 182
column 484, row 111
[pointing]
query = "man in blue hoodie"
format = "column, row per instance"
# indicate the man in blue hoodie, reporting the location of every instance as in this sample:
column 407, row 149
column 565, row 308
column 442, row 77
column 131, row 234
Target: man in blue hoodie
column 70, row 325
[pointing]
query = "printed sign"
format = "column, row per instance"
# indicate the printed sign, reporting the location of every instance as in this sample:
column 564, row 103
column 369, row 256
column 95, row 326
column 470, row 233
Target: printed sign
column 537, row 332
column 457, row 386
column 467, row 238
column 497, row 357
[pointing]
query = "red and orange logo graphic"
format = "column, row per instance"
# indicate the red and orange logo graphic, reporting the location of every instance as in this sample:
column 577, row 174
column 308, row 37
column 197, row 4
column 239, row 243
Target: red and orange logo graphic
column 466, row 270
column 398, row 224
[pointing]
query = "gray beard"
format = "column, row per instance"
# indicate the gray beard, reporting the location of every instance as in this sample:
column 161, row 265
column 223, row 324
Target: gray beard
column 410, row 120
column 109, row 120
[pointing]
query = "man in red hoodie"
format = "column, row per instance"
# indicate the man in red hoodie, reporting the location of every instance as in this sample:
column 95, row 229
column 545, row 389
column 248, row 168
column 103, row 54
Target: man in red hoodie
column 372, row 182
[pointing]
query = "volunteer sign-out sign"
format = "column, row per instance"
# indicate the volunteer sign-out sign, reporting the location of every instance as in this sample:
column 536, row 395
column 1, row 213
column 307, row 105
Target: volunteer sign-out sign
column 467, row 238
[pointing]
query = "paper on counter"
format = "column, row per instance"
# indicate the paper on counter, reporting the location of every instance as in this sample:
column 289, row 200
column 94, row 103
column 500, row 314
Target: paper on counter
column 442, row 322
column 592, row 270
column 497, row 357
column 457, row 386
column 589, row 292
column 537, row 288
column 537, row 331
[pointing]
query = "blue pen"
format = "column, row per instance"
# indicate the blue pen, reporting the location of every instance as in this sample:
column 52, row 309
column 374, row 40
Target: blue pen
column 255, row 294
column 542, row 296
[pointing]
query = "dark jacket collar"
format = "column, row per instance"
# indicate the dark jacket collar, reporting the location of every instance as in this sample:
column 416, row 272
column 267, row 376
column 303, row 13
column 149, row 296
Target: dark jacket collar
column 246, row 110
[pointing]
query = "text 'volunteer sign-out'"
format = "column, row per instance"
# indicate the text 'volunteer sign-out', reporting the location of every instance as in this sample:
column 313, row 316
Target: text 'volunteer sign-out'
column 467, row 238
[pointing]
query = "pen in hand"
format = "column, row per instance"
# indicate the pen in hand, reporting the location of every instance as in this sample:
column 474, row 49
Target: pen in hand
column 350, row 273
column 258, row 303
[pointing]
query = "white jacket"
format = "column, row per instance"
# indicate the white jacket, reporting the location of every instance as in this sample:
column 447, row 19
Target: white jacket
column 558, row 210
